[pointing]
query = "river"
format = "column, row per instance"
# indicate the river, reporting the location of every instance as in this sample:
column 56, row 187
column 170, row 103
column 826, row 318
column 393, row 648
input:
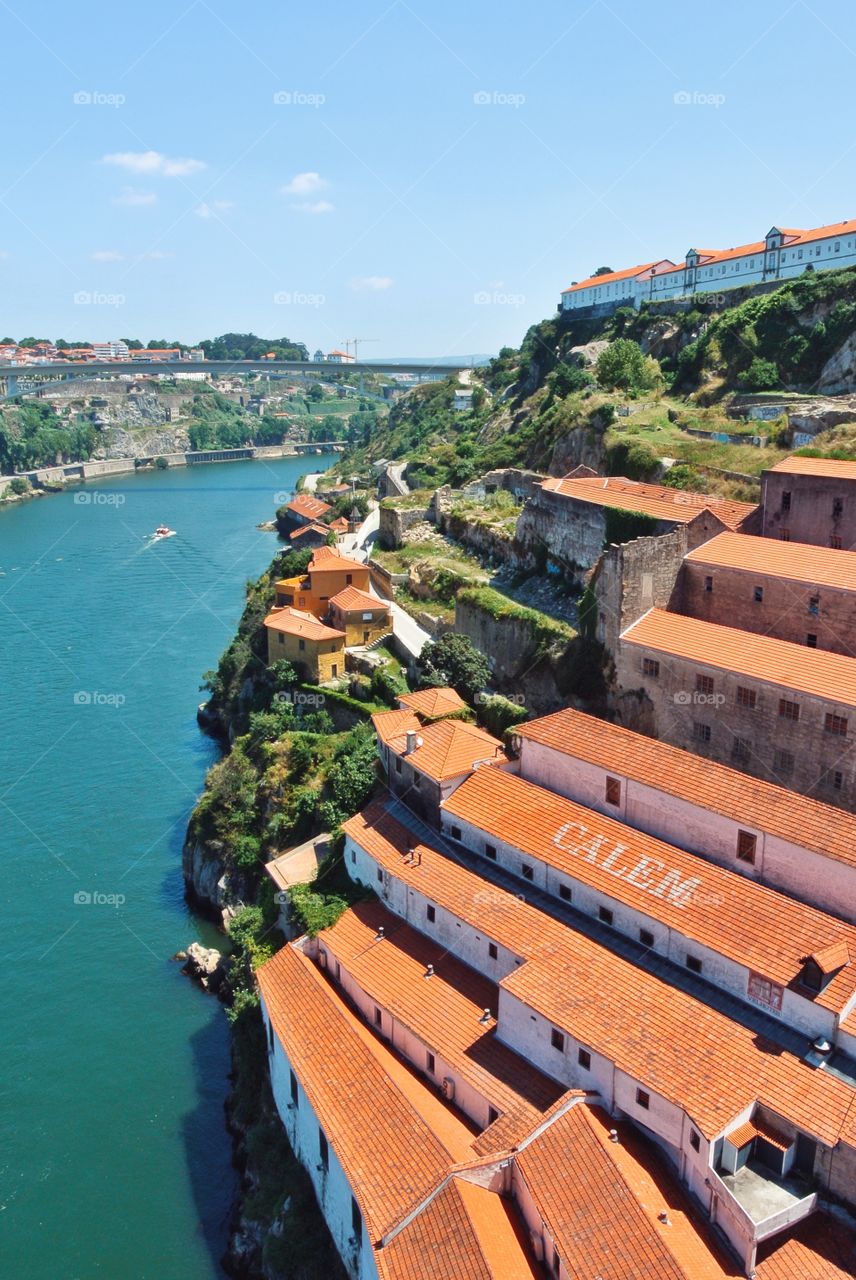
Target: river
column 114, row 1160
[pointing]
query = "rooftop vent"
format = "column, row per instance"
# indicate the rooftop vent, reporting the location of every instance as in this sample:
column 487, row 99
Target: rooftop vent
column 486, row 1016
column 663, row 1217
column 411, row 741
column 822, row 1045
column 380, row 933
column 613, row 1135
column 429, row 971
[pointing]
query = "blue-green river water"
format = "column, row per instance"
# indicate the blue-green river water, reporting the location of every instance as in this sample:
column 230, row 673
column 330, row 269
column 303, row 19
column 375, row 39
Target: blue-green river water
column 114, row 1161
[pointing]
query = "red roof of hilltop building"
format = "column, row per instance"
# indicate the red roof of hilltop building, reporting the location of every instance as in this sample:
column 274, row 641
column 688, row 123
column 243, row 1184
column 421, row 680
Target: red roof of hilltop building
column 433, row 703
column 750, row 801
column 794, row 667
column 295, row 622
column 308, row 507
column 655, row 500
column 390, row 725
column 449, row 748
column 352, row 600
column 829, row 467
column 795, row 561
column 612, row 277
column 312, row 527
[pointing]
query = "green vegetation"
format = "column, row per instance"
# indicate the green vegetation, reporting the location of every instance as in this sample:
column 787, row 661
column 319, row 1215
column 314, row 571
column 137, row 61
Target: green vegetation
column 626, row 526
column 623, row 367
column 32, row 435
column 247, row 346
column 454, row 660
column 547, row 633
column 498, row 714
column 19, row 486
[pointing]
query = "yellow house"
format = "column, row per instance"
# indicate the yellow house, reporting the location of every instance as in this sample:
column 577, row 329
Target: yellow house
column 329, row 572
column 362, row 617
column 316, row 651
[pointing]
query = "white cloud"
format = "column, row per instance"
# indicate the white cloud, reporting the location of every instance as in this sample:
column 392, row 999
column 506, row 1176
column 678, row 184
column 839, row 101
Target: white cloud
column 211, row 210
column 107, row 255
column 128, row 196
column 314, row 206
column 157, row 255
column 153, row 162
column 377, row 283
column 305, row 184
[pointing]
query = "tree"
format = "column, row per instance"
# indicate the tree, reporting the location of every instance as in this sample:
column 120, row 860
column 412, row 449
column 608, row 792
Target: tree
column 315, row 392
column 622, row 366
column 602, row 271
column 454, row 660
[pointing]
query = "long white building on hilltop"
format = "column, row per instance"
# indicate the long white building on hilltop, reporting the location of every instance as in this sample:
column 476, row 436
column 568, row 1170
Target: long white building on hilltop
column 781, row 255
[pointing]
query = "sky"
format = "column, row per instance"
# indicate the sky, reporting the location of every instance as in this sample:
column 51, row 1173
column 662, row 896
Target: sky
column 427, row 176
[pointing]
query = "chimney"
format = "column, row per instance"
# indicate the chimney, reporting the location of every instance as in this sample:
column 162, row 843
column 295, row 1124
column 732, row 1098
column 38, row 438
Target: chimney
column 429, row 972
column 411, row 742
column 485, row 1016
column 613, row 1135
column 380, row 933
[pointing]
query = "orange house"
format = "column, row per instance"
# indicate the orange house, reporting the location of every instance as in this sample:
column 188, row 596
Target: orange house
column 329, row 572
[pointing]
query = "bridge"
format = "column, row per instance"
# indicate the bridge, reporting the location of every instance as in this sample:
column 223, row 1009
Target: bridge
column 12, row 376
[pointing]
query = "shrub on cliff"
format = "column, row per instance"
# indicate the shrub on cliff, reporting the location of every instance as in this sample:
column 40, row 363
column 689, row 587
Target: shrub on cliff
column 622, row 366
column 454, row 660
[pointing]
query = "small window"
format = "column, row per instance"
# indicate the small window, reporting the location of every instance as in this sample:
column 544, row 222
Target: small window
column 746, row 697
column 323, row 1150
column 526, row 871
column 643, row 1099
column 378, row 1017
column 835, row 724
column 584, row 1059
column 788, row 710
column 786, row 501
column 708, row 584
column 605, row 915
column 650, row 667
column 397, row 764
column 783, row 763
column 784, row 535
column 837, row 780
column 565, row 892
column 431, row 913
column 814, row 605
column 613, row 791
column 746, row 846
column 380, row 875
column 646, row 937
column 704, row 684
column 693, row 964
column 353, row 855
column 695, row 1140
column 429, row 1063
column 292, row 1080
column 837, row 508
column 741, row 750
column 301, row 644
column 701, row 732
column 492, row 950
column 356, row 1221
column 759, row 595
column 490, row 852
column 455, row 833
column 835, row 542
column 811, row 640
column 270, row 1037
column 557, row 1040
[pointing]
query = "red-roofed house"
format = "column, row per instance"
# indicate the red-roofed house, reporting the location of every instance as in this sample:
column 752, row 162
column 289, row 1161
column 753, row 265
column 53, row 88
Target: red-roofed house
column 363, row 617
column 811, row 500
column 317, row 651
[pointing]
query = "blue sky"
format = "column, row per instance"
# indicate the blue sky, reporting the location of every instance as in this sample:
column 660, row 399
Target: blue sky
column 429, row 175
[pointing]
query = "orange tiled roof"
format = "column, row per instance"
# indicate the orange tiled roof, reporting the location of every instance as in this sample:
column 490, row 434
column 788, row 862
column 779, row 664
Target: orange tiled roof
column 352, row 600
column 339, row 526
column 807, row 823
column 311, row 508
column 313, row 527
column 685, row 1050
column 835, row 956
column 760, row 928
column 294, row 622
column 433, row 703
column 392, row 724
column 445, row 1012
column 600, row 1201
column 818, row 1248
column 795, row 561
column 793, row 667
column 327, row 559
column 448, row 748
column 830, row 467
column 613, row 276
column 657, row 501
column 758, row 1128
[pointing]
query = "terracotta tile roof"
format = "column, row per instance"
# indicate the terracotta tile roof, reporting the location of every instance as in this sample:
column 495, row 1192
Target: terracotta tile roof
column 758, row 1128
column 392, row 724
column 448, row 748
column 445, row 1011
column 795, row 561
column 819, row 1248
column 339, row 526
column 657, row 501
column 834, row 957
column 685, row 1050
column 600, row 1202
column 613, row 276
column 352, row 600
column 433, row 703
column 327, row 559
column 308, row 507
column 829, row 467
column 820, row 233
column 295, row 622
column 807, row 823
column 757, row 927
column 352, row 1094
column 308, row 528
column 794, row 667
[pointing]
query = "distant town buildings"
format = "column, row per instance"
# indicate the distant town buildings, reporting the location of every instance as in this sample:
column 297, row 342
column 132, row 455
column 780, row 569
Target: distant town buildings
column 782, row 254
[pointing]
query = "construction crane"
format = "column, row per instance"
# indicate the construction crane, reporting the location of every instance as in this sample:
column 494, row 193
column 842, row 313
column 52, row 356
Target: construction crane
column 355, row 343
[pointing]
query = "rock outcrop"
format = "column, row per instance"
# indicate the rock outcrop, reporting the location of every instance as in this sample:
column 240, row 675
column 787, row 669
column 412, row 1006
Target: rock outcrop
column 206, row 966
